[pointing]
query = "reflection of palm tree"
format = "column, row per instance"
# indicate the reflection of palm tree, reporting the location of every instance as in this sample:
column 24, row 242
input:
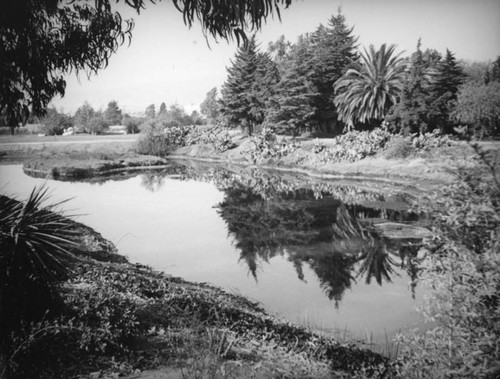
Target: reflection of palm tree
column 366, row 245
column 376, row 262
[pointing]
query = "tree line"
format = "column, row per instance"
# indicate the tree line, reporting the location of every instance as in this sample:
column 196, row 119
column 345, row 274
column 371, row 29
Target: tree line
column 88, row 120
column 323, row 84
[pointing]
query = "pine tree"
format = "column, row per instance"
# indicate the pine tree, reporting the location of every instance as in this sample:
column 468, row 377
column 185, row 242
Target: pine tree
column 264, row 87
column 235, row 103
column 292, row 107
column 411, row 113
column 449, row 77
column 334, row 49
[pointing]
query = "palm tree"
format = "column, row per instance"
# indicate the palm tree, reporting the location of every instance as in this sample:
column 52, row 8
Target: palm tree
column 370, row 87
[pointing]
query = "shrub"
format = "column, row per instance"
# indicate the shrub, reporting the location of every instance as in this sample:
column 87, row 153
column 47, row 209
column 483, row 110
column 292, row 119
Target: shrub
column 355, row 145
column 216, row 136
column 462, row 269
column 399, row 148
column 267, row 145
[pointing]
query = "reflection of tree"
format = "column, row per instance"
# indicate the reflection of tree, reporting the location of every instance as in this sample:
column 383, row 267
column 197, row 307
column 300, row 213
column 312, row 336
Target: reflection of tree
column 370, row 248
column 323, row 233
column 334, row 271
column 268, row 216
column 376, row 263
column 152, row 181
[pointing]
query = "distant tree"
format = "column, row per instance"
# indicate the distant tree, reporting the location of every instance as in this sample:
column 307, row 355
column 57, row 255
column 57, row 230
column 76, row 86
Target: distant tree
column 150, row 111
column 113, row 114
column 83, row 116
column 476, row 72
column 195, row 118
column 132, row 123
column 163, row 110
column 279, row 50
column 54, row 123
column 495, row 70
column 478, row 105
column 48, row 38
column 97, row 124
column 370, row 87
column 210, row 106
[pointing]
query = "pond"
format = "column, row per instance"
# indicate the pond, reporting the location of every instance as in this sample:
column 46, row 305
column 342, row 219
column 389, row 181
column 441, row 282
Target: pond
column 306, row 249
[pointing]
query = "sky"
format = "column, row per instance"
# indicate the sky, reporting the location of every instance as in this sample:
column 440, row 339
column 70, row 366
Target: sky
column 168, row 62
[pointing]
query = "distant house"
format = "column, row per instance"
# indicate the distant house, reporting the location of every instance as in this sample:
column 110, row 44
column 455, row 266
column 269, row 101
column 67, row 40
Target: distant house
column 116, row 129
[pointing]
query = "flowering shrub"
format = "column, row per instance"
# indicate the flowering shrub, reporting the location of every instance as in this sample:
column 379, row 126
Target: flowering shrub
column 267, row 145
column 355, row 145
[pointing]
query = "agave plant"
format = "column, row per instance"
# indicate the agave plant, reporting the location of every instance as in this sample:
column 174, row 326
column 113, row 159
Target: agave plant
column 370, row 87
column 36, row 251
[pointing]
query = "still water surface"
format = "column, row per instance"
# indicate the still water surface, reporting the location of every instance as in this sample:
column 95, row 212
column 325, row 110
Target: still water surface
column 301, row 252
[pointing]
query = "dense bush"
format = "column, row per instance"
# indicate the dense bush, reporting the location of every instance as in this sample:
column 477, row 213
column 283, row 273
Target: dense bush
column 159, row 140
column 462, row 269
column 267, row 145
column 54, row 123
column 216, row 136
column 355, row 145
column 399, row 148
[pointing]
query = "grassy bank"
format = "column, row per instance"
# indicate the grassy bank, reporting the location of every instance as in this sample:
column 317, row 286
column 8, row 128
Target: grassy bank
column 118, row 318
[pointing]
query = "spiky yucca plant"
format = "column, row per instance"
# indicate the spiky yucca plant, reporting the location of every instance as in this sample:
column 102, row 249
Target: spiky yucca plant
column 36, row 251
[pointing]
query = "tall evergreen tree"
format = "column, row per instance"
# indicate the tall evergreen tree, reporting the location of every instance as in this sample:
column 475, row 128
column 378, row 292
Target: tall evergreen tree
column 334, row 48
column 449, row 77
column 292, row 107
column 235, row 103
column 411, row 113
column 264, row 87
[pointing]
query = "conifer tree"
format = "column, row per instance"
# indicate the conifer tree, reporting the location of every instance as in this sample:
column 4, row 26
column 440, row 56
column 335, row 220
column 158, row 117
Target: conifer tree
column 334, row 49
column 292, row 107
column 411, row 113
column 449, row 77
column 235, row 103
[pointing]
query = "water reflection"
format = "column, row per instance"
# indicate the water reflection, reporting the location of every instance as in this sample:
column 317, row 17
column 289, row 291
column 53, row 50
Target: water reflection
column 321, row 225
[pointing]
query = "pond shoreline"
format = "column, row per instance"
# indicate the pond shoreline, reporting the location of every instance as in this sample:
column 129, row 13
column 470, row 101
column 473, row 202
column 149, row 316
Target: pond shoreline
column 164, row 305
column 342, row 357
